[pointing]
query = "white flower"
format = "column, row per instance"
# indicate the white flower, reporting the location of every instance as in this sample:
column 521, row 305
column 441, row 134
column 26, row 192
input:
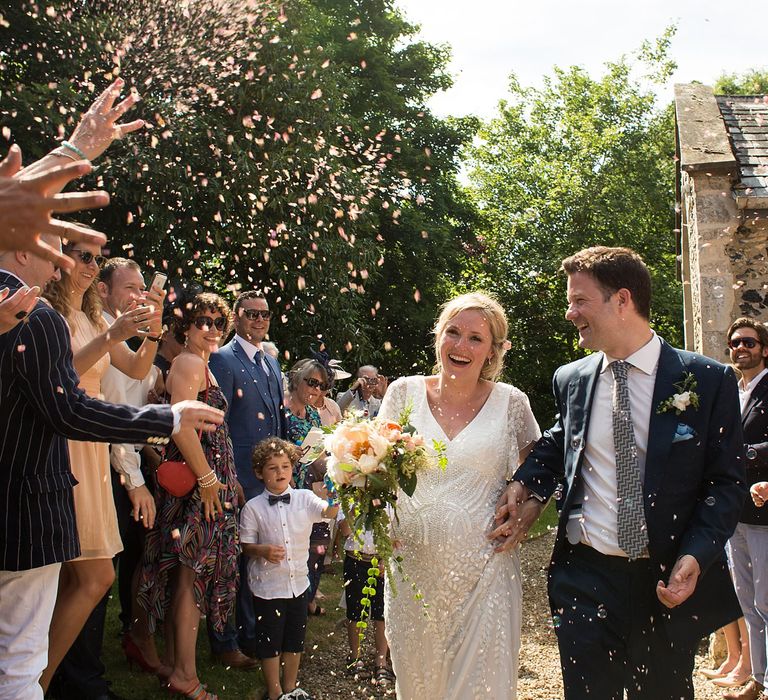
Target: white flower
column 368, row 463
column 681, row 401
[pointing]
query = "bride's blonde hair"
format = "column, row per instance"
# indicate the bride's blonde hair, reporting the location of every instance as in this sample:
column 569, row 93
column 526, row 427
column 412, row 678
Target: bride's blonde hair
column 494, row 315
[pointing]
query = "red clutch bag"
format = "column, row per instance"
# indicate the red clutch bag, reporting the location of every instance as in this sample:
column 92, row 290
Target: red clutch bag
column 176, row 477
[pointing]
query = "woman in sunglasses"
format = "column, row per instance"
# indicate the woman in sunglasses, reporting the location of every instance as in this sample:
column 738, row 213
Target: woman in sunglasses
column 84, row 581
column 306, row 382
column 190, row 557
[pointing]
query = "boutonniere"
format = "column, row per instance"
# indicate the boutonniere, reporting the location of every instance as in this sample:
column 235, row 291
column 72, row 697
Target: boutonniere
column 686, row 396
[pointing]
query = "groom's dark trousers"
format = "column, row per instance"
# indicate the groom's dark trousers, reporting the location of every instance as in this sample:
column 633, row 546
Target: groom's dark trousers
column 608, row 633
column 613, row 632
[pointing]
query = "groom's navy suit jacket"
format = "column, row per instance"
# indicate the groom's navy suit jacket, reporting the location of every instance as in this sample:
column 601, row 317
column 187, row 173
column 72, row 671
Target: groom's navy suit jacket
column 255, row 410
column 42, row 406
column 694, row 488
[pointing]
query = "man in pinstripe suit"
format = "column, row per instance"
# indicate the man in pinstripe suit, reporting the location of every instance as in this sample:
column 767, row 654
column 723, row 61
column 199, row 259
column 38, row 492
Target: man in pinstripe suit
column 41, row 407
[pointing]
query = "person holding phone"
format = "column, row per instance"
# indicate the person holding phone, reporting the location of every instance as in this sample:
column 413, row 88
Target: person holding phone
column 365, row 393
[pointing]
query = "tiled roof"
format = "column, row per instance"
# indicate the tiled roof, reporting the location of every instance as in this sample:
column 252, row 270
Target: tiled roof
column 746, row 120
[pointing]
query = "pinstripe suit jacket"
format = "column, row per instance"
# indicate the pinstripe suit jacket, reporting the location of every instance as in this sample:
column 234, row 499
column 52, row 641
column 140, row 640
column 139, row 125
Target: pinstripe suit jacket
column 42, row 407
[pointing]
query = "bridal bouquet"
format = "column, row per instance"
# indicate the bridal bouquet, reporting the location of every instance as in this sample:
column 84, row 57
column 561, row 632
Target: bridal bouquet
column 370, row 459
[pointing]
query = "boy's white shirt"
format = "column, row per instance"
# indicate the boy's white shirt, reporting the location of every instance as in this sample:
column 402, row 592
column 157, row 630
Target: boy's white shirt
column 288, row 525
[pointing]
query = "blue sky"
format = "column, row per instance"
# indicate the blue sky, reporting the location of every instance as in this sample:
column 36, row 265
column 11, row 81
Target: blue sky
column 492, row 38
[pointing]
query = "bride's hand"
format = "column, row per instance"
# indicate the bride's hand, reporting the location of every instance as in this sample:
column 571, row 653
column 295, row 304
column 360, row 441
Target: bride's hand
column 516, row 511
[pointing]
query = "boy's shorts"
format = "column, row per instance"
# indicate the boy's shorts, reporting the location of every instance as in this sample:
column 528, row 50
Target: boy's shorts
column 281, row 625
column 355, row 578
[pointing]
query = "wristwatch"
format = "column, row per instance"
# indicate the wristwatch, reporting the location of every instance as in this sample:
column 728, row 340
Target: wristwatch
column 751, row 453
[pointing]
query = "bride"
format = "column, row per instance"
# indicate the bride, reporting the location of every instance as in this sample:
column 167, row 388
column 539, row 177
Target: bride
column 462, row 640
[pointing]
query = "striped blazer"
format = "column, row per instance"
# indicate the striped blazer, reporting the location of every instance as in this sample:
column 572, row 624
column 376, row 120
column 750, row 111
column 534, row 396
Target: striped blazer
column 41, row 406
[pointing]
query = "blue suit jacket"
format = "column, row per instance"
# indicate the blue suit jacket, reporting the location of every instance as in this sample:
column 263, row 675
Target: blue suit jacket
column 41, row 408
column 694, row 489
column 254, row 411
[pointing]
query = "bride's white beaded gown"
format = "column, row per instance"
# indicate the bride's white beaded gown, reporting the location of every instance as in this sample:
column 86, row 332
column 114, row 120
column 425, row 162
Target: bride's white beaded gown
column 465, row 644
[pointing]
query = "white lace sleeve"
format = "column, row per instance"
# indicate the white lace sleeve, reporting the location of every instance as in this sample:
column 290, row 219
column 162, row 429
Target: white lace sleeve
column 394, row 400
column 522, row 427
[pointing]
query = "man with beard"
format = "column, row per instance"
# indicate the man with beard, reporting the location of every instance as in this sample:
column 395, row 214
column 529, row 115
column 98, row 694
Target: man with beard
column 748, row 344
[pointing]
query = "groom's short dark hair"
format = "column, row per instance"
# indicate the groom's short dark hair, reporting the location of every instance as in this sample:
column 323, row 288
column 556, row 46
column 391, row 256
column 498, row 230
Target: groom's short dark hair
column 614, row 269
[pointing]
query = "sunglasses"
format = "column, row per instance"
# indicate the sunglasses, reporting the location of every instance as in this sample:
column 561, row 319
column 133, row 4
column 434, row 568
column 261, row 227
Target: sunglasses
column 253, row 314
column 86, row 257
column 315, row 383
column 746, row 342
column 205, row 323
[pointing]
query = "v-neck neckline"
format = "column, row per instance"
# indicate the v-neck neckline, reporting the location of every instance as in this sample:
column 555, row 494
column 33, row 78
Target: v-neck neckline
column 468, row 425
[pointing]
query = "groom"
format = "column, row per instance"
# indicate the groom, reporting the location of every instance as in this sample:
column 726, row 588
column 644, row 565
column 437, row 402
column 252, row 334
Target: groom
column 650, row 492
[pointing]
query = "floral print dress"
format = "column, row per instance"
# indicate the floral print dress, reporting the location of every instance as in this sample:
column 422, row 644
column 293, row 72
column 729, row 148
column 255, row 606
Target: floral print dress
column 183, row 536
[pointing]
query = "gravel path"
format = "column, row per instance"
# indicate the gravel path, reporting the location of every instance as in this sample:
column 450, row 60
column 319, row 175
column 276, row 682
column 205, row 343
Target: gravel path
column 539, row 662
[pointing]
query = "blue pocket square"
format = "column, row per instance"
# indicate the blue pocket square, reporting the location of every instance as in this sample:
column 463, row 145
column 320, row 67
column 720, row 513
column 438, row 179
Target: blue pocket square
column 683, row 432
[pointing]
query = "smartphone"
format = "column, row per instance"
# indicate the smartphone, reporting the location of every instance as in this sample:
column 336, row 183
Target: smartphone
column 158, row 282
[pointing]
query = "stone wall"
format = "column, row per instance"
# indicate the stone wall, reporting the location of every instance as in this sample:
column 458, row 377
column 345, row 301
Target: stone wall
column 726, row 259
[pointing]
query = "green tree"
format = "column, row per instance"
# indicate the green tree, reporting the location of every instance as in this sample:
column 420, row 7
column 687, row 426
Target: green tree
column 289, row 148
column 752, row 82
column 580, row 161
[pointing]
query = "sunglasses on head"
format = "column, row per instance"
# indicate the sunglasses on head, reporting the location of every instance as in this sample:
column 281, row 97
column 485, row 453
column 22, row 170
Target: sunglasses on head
column 746, row 342
column 86, row 257
column 253, row 314
column 205, row 323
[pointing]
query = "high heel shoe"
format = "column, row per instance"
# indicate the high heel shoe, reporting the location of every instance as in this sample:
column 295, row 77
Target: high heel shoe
column 134, row 655
column 199, row 692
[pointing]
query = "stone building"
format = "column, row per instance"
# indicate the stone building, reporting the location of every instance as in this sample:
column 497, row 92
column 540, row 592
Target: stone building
column 722, row 212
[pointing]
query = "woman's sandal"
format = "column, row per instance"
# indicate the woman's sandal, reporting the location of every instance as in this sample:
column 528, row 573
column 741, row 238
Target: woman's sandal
column 356, row 667
column 384, row 676
column 199, row 692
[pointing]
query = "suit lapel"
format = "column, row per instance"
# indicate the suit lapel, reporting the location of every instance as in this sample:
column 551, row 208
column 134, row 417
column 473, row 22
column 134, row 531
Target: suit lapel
column 661, row 429
column 758, row 394
column 581, row 393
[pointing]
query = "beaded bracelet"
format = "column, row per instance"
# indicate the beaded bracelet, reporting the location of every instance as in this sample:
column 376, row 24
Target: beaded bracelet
column 61, row 153
column 207, row 480
column 74, row 149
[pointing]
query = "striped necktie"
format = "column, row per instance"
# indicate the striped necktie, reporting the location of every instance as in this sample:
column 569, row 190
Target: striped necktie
column 630, row 519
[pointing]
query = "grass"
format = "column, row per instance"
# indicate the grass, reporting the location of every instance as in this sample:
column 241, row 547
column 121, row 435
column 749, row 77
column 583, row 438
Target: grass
column 322, row 633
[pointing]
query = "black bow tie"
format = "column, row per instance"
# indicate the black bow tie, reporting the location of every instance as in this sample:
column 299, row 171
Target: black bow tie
column 285, row 498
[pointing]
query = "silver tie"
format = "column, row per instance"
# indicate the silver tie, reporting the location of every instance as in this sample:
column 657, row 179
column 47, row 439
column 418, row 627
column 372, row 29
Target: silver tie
column 630, row 520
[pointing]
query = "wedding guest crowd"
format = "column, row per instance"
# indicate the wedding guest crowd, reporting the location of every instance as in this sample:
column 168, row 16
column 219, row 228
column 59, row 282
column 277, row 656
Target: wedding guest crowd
column 136, row 437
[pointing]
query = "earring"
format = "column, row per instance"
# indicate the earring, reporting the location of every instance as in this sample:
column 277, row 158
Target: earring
column 488, row 361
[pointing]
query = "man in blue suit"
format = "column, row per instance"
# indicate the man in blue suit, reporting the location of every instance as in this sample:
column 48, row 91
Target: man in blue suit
column 41, row 407
column 252, row 383
column 647, row 455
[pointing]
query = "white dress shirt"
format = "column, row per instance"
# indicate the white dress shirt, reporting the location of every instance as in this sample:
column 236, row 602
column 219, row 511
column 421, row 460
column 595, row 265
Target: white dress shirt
column 592, row 519
column 120, row 388
column 251, row 349
column 288, row 525
column 745, row 390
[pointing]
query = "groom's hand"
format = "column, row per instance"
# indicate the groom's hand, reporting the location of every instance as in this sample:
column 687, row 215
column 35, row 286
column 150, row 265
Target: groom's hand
column 516, row 511
column 682, row 582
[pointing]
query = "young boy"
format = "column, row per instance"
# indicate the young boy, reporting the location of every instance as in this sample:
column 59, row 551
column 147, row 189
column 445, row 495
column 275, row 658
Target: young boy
column 274, row 532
